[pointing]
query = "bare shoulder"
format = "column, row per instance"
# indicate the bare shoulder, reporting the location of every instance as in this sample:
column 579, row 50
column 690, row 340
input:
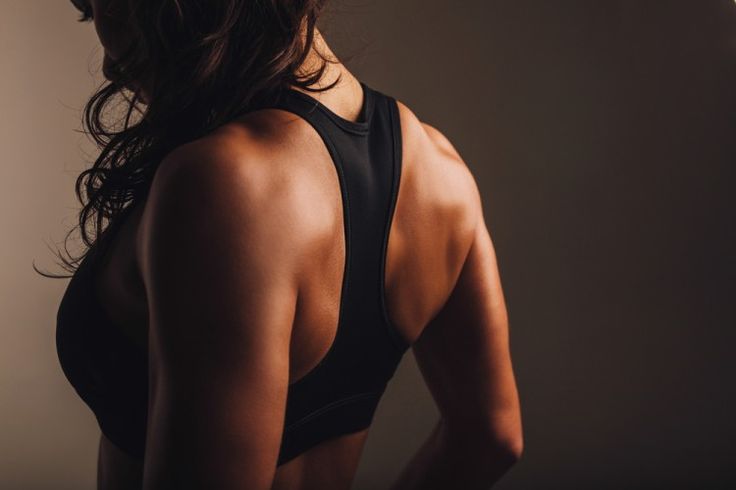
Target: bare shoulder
column 438, row 168
column 238, row 187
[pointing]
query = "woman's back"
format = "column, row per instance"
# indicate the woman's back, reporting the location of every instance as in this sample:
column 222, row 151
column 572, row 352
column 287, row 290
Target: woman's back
column 430, row 234
column 274, row 259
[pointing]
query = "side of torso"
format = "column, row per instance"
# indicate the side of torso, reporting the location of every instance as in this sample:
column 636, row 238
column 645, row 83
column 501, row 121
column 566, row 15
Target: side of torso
column 424, row 255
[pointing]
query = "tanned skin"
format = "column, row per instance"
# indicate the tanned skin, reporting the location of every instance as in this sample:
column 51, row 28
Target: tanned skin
column 232, row 270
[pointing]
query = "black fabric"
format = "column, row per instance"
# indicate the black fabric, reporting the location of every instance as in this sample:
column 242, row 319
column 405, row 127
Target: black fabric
column 339, row 396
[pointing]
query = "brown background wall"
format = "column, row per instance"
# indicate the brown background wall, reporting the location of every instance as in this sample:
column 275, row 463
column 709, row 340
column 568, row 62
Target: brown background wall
column 602, row 137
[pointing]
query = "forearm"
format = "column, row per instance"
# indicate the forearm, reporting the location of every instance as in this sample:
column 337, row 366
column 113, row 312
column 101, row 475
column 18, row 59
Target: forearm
column 453, row 461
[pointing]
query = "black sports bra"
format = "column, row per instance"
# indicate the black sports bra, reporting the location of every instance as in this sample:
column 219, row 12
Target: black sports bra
column 109, row 370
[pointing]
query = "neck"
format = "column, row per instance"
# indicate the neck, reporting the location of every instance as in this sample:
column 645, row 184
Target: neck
column 334, row 67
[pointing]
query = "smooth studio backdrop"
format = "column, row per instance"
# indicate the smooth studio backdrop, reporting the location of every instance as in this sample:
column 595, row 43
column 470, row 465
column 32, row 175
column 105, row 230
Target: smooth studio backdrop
column 602, row 137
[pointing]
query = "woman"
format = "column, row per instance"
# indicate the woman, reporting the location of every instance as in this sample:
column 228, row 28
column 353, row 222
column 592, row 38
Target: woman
column 263, row 272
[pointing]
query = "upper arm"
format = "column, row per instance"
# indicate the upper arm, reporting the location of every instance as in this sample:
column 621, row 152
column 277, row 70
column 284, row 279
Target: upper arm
column 219, row 254
column 463, row 352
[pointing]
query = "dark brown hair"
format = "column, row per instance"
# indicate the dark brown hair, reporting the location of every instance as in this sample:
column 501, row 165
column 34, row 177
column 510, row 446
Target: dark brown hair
column 205, row 63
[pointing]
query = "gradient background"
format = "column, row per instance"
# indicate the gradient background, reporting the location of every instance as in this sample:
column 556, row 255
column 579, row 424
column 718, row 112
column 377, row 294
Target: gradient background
column 602, row 137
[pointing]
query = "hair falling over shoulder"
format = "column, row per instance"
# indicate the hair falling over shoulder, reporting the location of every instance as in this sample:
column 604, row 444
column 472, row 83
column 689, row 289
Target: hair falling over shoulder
column 202, row 64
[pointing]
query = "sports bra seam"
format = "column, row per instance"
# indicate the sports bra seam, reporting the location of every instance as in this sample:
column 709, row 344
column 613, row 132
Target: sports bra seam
column 331, row 406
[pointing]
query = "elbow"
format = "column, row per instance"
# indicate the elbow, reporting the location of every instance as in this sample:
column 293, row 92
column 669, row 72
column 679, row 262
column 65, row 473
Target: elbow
column 508, row 449
column 503, row 445
column 499, row 454
column 506, row 440
column 504, row 437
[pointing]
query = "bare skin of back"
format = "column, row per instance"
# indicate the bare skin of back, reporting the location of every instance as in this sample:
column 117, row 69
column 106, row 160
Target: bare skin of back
column 443, row 293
